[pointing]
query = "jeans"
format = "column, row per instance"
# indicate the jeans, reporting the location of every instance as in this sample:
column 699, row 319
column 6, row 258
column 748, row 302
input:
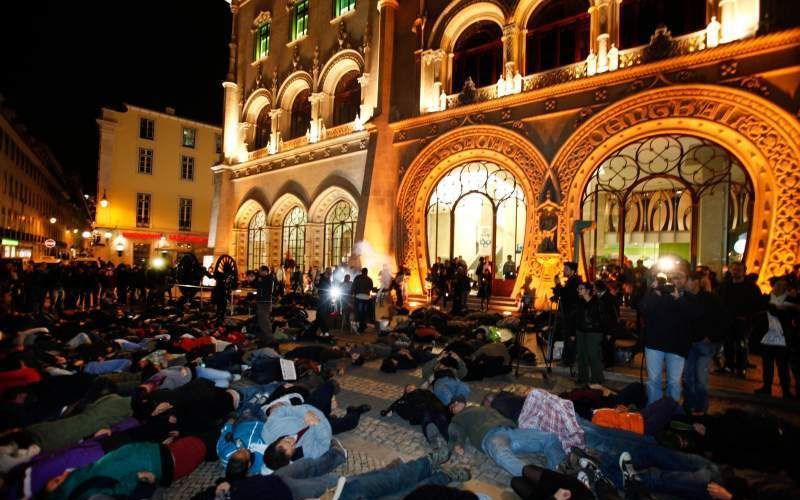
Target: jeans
column 263, row 312
column 398, row 480
column 221, row 379
column 661, row 470
column 503, row 443
column 695, row 376
column 656, row 362
column 310, row 477
column 108, row 366
column 447, row 388
column 362, row 313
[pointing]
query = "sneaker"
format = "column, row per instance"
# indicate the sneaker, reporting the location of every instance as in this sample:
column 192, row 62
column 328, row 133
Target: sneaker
column 583, row 477
column 457, row 474
column 629, row 474
column 334, row 493
column 335, row 443
column 439, row 455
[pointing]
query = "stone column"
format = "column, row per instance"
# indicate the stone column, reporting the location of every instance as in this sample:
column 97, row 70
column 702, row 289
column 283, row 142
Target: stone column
column 223, row 208
column 600, row 24
column 430, row 80
column 275, row 130
column 316, row 126
column 230, row 126
column 379, row 216
column 511, row 52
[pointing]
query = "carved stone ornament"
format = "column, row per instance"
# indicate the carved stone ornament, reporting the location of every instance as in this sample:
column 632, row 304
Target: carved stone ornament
column 296, row 57
column 583, row 115
column 600, row 95
column 661, row 45
column 728, row 68
column 400, row 136
column 366, row 40
column 342, row 37
column 505, row 114
column 315, row 63
column 289, row 5
column 263, row 17
column 550, row 105
column 756, row 85
column 274, row 88
column 467, row 94
column 260, row 76
column 750, row 127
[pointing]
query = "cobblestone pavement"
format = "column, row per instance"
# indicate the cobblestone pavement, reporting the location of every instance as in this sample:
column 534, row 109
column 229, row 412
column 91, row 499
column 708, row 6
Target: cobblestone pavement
column 379, row 440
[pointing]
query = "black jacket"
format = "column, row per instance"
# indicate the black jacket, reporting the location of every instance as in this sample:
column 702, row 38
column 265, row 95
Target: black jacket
column 265, row 286
column 712, row 323
column 667, row 321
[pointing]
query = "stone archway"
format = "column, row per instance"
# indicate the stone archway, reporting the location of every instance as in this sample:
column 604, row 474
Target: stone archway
column 247, row 210
column 506, row 149
column 764, row 138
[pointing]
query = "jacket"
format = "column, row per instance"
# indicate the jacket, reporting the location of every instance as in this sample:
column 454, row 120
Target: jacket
column 265, row 285
column 115, row 475
column 549, row 413
column 234, row 437
column 474, row 422
column 362, row 285
column 667, row 321
column 289, row 420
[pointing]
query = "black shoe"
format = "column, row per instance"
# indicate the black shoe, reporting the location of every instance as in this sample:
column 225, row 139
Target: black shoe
column 359, row 409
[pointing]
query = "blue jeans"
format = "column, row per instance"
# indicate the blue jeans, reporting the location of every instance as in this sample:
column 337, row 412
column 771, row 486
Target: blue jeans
column 446, row 388
column 107, row 366
column 661, row 470
column 503, row 443
column 221, row 378
column 656, row 362
column 398, row 480
column 695, row 376
column 310, row 477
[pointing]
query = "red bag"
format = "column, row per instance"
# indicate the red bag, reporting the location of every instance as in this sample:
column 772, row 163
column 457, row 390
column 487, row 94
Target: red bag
column 619, row 419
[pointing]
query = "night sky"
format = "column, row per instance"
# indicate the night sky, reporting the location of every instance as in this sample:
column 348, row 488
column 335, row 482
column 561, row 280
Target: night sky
column 61, row 61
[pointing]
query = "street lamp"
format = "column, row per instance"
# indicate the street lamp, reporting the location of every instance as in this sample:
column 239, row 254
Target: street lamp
column 86, row 234
column 104, row 200
column 52, row 220
column 75, row 231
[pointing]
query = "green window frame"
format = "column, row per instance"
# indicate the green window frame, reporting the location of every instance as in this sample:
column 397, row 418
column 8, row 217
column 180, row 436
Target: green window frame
column 300, row 20
column 262, row 41
column 341, row 7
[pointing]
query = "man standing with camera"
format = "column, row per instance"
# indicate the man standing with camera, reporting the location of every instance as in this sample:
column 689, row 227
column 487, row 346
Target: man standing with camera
column 667, row 311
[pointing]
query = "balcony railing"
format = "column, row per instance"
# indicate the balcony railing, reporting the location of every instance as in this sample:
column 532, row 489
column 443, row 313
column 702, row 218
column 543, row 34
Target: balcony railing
column 329, row 134
column 661, row 46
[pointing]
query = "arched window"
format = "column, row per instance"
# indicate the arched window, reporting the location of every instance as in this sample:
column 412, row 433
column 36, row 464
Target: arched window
column 263, row 128
column 667, row 196
column 477, row 210
column 294, row 236
column 346, row 99
column 257, row 241
column 640, row 18
column 301, row 114
column 478, row 54
column 558, row 34
column 340, row 230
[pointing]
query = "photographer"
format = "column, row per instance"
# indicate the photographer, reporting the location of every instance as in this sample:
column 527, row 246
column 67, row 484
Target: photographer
column 567, row 296
column 667, row 312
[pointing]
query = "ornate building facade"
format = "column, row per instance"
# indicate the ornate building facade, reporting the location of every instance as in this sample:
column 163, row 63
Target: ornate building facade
column 532, row 130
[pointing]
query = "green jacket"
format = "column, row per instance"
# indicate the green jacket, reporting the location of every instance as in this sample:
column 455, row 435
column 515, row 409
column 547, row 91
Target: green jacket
column 474, row 422
column 116, row 474
column 58, row 434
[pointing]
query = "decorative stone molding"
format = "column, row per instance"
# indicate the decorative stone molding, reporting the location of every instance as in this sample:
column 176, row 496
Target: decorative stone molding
column 481, row 142
column 760, row 134
column 263, row 17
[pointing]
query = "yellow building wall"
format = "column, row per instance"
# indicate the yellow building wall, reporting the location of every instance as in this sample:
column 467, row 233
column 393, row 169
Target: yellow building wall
column 119, row 178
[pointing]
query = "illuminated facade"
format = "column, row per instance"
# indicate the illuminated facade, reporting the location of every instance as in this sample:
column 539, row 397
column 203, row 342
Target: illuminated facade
column 40, row 214
column 542, row 130
column 154, row 178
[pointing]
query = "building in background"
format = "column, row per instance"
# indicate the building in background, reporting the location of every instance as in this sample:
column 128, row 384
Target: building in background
column 154, row 183
column 602, row 131
column 42, row 212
